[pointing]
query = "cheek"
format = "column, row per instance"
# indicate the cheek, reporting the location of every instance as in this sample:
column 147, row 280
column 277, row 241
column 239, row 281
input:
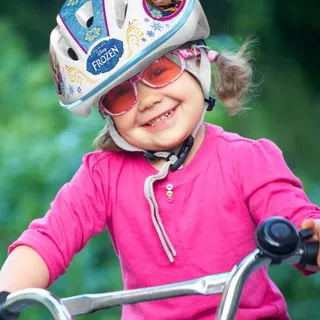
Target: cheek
column 123, row 123
column 193, row 97
column 189, row 89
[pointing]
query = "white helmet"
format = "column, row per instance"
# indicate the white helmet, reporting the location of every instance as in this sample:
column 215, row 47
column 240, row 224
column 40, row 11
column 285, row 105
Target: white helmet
column 98, row 44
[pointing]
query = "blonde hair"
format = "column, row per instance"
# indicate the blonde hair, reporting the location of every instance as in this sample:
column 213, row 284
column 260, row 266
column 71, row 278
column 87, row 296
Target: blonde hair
column 104, row 141
column 232, row 78
column 232, row 82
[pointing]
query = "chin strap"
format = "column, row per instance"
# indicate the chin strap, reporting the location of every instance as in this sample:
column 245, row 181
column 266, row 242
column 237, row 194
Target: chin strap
column 176, row 160
column 173, row 163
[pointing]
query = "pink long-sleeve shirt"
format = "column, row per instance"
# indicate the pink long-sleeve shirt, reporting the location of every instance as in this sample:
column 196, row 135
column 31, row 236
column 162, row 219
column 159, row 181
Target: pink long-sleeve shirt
column 231, row 185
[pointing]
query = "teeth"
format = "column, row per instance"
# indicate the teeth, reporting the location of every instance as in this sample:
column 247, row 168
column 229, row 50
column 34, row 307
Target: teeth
column 160, row 119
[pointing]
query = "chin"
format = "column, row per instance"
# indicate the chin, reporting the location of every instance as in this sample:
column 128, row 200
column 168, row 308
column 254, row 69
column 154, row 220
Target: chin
column 168, row 146
column 168, row 140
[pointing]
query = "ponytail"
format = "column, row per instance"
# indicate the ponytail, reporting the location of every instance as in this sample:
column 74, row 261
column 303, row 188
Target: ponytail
column 232, row 78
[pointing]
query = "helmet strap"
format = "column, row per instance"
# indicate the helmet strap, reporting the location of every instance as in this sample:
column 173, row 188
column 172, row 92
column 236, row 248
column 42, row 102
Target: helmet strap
column 211, row 103
column 178, row 159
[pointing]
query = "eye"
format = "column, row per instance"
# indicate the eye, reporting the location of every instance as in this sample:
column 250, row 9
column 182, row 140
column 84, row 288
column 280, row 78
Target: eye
column 122, row 92
column 157, row 72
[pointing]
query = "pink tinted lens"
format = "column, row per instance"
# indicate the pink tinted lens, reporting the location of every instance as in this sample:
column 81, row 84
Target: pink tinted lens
column 120, row 99
column 161, row 72
column 123, row 97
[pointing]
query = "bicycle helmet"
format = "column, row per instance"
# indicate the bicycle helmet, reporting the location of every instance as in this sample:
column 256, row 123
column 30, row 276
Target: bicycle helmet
column 98, row 44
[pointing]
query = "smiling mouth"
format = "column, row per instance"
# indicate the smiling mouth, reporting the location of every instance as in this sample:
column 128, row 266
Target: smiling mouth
column 162, row 118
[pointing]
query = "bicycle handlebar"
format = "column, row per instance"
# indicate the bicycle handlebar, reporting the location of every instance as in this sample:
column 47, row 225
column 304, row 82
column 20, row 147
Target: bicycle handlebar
column 17, row 301
column 278, row 241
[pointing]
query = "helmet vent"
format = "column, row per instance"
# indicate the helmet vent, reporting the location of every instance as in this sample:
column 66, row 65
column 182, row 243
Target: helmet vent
column 84, row 15
column 72, row 54
column 120, row 11
column 89, row 22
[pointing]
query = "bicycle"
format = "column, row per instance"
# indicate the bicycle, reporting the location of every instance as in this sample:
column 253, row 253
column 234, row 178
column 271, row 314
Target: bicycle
column 277, row 240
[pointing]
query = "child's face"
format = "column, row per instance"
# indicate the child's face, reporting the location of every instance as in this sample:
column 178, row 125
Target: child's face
column 160, row 3
column 183, row 99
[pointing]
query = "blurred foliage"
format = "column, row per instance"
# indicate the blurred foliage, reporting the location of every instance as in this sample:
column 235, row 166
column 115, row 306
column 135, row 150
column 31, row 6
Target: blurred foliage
column 42, row 145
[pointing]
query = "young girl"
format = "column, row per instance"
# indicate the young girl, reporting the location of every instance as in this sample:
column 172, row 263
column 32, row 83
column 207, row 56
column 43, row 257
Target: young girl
column 180, row 198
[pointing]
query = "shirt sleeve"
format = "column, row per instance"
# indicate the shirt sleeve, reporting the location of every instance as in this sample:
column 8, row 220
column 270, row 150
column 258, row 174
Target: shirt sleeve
column 269, row 187
column 78, row 212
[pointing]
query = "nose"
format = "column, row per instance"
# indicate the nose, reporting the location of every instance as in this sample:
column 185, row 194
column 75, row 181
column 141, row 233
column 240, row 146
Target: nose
column 148, row 97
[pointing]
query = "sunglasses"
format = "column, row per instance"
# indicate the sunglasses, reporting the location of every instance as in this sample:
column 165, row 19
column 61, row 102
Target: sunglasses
column 159, row 74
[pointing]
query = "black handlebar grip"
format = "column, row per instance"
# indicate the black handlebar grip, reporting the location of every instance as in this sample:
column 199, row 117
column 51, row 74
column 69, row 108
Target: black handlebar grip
column 5, row 314
column 311, row 250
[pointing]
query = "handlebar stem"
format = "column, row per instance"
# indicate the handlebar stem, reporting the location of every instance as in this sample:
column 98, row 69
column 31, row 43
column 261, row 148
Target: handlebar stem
column 238, row 276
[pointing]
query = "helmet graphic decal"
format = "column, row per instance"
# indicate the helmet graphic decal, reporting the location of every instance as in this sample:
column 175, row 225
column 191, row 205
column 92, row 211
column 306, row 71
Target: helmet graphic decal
column 56, row 74
column 163, row 9
column 133, row 36
column 86, row 35
column 105, row 56
column 77, row 76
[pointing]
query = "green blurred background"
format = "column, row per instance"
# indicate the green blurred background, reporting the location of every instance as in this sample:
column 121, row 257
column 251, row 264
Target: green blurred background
column 42, row 144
